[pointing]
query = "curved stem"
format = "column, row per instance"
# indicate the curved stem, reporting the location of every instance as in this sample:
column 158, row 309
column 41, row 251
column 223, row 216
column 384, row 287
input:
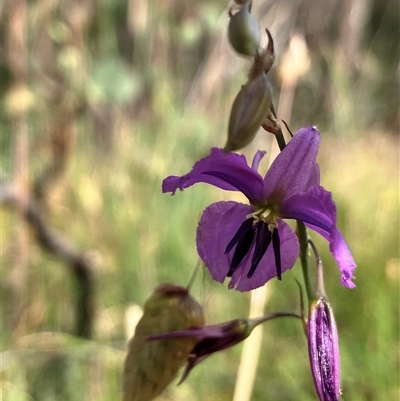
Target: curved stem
column 263, row 319
column 194, row 275
column 319, row 286
column 303, row 240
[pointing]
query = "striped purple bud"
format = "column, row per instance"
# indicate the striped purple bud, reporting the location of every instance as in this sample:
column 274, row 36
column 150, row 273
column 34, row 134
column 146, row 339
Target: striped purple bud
column 323, row 341
column 323, row 349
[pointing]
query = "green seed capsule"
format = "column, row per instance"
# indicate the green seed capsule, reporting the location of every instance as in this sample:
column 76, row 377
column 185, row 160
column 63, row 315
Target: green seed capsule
column 248, row 112
column 151, row 366
column 244, row 31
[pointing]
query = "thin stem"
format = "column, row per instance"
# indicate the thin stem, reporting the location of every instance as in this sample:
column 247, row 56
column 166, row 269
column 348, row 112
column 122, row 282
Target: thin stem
column 319, row 285
column 287, row 127
column 303, row 317
column 281, row 140
column 194, row 275
column 303, row 240
column 275, row 315
column 279, row 136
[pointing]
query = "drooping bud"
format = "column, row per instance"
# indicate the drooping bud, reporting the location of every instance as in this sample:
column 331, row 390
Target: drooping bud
column 248, row 112
column 244, row 31
column 151, row 366
column 323, row 342
column 218, row 337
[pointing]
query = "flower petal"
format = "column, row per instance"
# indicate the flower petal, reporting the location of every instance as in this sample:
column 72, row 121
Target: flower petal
column 228, row 171
column 314, row 177
column 318, row 211
column 295, row 168
column 216, row 228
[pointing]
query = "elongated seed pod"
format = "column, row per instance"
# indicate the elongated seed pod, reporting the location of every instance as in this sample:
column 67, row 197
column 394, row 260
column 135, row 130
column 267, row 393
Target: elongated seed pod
column 151, row 366
column 244, row 31
column 248, row 112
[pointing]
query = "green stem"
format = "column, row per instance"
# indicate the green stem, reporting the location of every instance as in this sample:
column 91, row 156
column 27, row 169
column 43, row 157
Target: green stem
column 303, row 240
column 281, row 140
column 302, row 230
column 265, row 318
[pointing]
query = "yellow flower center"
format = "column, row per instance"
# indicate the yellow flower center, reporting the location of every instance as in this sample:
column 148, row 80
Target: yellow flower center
column 267, row 215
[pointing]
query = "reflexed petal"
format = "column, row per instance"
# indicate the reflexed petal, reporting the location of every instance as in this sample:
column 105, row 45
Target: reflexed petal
column 318, row 211
column 295, row 167
column 218, row 224
column 266, row 269
column 228, row 171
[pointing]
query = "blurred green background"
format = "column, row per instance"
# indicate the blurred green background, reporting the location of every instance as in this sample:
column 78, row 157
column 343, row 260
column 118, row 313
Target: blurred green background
column 100, row 101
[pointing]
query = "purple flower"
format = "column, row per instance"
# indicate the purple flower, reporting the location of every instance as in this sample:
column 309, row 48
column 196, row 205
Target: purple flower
column 323, row 349
column 234, row 240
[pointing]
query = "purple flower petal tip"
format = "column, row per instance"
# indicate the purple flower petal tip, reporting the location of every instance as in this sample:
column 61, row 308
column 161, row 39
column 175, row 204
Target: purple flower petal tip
column 171, row 184
column 347, row 278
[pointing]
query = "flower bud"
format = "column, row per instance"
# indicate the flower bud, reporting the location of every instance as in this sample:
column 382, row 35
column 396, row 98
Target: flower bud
column 248, row 112
column 323, row 342
column 244, row 31
column 217, row 337
column 323, row 349
column 151, row 366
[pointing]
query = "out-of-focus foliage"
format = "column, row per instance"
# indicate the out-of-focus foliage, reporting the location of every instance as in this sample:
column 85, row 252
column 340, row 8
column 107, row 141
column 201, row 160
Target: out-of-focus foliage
column 119, row 94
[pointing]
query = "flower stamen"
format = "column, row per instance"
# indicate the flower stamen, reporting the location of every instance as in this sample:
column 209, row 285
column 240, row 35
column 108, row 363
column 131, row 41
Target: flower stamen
column 276, row 244
column 263, row 240
column 242, row 249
